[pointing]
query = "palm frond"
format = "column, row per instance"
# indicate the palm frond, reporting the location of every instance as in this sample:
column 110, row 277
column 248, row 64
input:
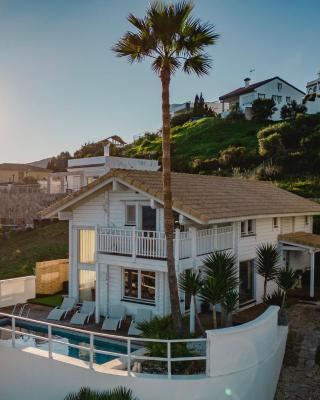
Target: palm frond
column 199, row 64
column 190, row 282
column 267, row 261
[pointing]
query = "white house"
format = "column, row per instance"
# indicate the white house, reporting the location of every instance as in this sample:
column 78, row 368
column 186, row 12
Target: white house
column 312, row 99
column 117, row 243
column 274, row 88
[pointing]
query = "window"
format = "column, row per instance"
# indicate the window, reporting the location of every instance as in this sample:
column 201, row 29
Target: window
column 139, row 285
column 275, row 223
column 279, row 86
column 248, row 227
column 246, row 281
column 87, row 243
column 87, row 285
column 288, row 99
column 274, row 98
column 279, row 99
column 130, row 214
column 306, row 220
column 261, row 96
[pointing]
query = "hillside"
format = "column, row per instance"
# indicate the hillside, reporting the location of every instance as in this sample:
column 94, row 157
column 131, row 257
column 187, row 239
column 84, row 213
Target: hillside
column 20, row 250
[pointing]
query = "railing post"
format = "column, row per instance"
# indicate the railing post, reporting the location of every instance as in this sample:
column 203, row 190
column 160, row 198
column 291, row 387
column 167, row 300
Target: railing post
column 193, row 231
column 129, row 355
column 13, row 333
column 134, row 244
column 177, row 246
column 215, row 238
column 91, row 350
column 49, row 341
column 169, row 358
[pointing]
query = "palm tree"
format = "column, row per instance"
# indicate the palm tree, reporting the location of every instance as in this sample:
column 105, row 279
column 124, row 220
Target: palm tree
column 212, row 293
column 190, row 282
column 230, row 304
column 267, row 264
column 85, row 393
column 172, row 38
column 286, row 280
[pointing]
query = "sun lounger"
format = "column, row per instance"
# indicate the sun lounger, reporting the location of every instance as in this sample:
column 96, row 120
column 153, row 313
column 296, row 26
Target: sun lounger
column 142, row 315
column 83, row 315
column 114, row 319
column 58, row 312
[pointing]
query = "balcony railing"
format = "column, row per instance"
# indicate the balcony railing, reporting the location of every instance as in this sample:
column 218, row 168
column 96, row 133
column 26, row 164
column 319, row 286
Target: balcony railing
column 152, row 244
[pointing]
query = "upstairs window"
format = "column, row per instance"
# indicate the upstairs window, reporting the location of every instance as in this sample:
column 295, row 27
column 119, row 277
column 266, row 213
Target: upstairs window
column 279, row 86
column 288, row 99
column 275, row 223
column 248, row 227
column 307, row 220
column 87, row 243
column 261, row 96
column 130, row 214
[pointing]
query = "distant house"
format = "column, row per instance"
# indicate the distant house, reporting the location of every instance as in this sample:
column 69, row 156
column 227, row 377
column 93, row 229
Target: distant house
column 177, row 108
column 274, row 88
column 312, row 99
column 16, row 173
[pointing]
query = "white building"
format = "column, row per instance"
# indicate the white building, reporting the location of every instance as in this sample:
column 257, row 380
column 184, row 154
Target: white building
column 117, row 243
column 177, row 108
column 312, row 99
column 274, row 88
column 83, row 171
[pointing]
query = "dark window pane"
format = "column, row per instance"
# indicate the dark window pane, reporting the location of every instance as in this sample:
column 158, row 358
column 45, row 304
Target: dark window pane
column 131, row 283
column 148, row 285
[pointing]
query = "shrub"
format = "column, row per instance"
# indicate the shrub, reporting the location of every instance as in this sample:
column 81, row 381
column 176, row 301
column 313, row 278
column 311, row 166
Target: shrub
column 271, row 145
column 180, row 119
column 274, row 299
column 86, row 393
column 235, row 113
column 268, row 172
column 233, row 157
column 262, row 109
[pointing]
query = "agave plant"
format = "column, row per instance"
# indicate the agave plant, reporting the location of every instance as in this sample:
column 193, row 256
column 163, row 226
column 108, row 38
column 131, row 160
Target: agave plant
column 212, row 292
column 190, row 282
column 230, row 304
column 86, row 393
column 286, row 280
column 267, row 264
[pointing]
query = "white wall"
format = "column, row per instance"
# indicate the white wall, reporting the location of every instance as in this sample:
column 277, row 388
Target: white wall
column 313, row 107
column 245, row 365
column 17, row 290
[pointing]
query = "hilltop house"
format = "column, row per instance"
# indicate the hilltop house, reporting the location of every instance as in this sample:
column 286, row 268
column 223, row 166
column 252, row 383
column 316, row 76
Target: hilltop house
column 117, row 243
column 312, row 99
column 274, row 88
column 16, row 173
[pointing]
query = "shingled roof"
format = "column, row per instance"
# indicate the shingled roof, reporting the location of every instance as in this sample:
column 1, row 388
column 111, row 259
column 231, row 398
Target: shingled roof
column 205, row 198
column 251, row 88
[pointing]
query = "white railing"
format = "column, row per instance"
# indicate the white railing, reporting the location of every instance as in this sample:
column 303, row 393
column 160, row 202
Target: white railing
column 217, row 238
column 130, row 355
column 152, row 244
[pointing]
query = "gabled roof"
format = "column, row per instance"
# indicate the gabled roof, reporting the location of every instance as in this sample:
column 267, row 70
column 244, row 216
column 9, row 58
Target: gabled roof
column 203, row 198
column 251, row 88
column 21, row 167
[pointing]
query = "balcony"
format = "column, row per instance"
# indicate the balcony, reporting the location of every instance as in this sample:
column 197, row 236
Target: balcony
column 152, row 244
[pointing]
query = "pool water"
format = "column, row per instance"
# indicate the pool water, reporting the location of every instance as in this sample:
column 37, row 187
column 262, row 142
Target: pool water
column 66, row 337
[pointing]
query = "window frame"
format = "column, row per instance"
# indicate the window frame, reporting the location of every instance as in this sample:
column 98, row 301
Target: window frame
column 127, row 222
column 139, row 299
column 245, row 224
column 306, row 220
column 275, row 223
column 86, row 228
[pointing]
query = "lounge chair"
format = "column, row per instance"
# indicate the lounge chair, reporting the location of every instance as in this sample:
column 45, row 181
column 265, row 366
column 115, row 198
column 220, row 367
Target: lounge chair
column 142, row 315
column 114, row 319
column 83, row 315
column 61, row 311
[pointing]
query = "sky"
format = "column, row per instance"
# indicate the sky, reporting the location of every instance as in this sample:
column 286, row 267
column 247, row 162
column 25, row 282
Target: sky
column 61, row 85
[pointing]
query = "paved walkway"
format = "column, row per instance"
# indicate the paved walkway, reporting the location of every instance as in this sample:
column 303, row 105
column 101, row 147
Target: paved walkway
column 300, row 376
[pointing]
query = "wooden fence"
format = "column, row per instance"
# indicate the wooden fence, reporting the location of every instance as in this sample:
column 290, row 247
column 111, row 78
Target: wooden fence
column 50, row 276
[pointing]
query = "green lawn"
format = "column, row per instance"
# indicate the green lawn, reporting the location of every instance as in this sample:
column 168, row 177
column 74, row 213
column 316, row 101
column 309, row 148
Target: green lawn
column 20, row 251
column 52, row 301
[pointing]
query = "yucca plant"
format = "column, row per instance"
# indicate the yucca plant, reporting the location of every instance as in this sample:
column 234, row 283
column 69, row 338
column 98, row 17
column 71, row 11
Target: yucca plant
column 286, row 280
column 86, row 393
column 171, row 38
column 190, row 282
column 230, row 304
column 212, row 293
column 267, row 264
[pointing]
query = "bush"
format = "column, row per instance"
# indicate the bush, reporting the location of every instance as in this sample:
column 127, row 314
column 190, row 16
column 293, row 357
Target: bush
column 86, row 393
column 235, row 113
column 275, row 298
column 180, row 119
column 268, row 172
column 271, row 145
column 262, row 109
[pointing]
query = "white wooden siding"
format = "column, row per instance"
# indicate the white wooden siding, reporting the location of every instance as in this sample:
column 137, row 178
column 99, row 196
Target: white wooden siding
column 91, row 212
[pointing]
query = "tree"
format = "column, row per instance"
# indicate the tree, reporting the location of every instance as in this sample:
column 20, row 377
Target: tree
column 196, row 105
column 85, row 393
column 267, row 264
column 235, row 113
column 60, row 162
column 286, row 280
column 212, row 293
column 290, row 111
column 172, row 38
column 190, row 282
column 262, row 109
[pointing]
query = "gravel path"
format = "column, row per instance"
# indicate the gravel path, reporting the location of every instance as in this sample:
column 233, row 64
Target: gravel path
column 300, row 376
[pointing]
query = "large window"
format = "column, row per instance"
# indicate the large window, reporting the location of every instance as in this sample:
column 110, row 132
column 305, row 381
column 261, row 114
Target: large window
column 139, row 285
column 130, row 214
column 246, row 275
column 87, row 243
column 87, row 285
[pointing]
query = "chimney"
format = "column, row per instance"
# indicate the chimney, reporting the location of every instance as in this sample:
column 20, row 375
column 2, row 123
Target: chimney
column 247, row 82
column 106, row 149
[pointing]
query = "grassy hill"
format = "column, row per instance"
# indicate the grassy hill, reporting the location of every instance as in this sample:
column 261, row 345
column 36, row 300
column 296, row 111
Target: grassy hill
column 20, row 250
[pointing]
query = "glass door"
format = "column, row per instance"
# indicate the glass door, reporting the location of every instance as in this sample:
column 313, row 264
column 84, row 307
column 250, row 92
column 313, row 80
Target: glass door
column 149, row 219
column 87, row 285
column 246, row 275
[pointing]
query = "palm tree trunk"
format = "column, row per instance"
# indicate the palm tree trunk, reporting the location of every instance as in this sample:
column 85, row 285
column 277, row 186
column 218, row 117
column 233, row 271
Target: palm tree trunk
column 264, row 290
column 214, row 316
column 197, row 315
column 167, row 199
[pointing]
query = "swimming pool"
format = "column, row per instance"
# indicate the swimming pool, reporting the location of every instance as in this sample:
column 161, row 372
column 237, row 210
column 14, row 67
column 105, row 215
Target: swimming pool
column 66, row 337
